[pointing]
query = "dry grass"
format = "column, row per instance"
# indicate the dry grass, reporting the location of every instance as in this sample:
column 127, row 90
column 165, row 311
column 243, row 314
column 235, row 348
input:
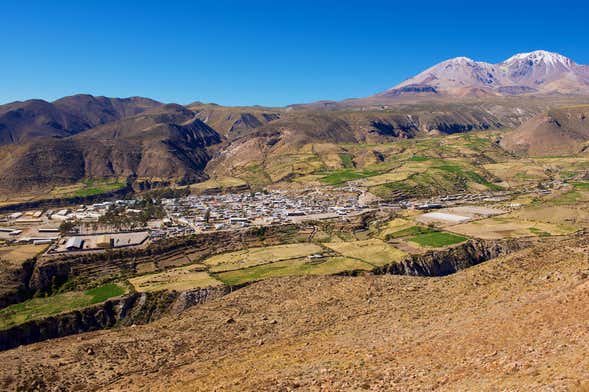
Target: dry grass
column 517, row 323
column 373, row 251
column 180, row 279
column 510, row 227
column 18, row 254
column 255, row 256
column 218, row 183
column 295, row 267
column 394, row 226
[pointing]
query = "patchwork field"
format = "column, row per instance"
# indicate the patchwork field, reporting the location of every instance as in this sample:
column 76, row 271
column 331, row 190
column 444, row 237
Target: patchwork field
column 180, row 279
column 296, row 267
column 372, row 251
column 37, row 308
column 394, row 226
column 510, row 226
column 255, row 256
column 414, row 166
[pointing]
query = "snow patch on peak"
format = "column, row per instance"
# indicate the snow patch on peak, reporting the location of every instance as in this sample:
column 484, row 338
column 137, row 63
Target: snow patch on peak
column 541, row 56
column 460, row 59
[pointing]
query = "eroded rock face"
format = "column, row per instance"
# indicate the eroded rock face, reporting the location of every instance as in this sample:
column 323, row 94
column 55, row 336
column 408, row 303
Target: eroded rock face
column 135, row 308
column 448, row 261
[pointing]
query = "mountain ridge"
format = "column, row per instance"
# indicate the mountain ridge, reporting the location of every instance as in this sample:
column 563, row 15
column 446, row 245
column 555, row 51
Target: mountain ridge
column 539, row 71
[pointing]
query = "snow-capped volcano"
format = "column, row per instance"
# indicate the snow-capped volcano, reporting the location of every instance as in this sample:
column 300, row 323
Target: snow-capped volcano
column 541, row 57
column 524, row 73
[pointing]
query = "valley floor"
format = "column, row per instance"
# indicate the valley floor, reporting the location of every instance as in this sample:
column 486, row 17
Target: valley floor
column 514, row 323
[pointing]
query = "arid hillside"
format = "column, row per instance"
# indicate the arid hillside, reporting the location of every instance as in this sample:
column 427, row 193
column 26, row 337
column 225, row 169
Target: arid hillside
column 167, row 142
column 22, row 121
column 513, row 323
column 557, row 132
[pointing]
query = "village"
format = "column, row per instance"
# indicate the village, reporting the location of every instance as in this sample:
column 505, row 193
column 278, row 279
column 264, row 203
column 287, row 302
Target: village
column 132, row 223
column 85, row 227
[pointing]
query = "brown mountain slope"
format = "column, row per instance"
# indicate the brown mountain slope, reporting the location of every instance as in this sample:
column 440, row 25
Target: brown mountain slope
column 167, row 142
column 559, row 131
column 299, row 127
column 22, row 121
column 513, row 323
column 233, row 122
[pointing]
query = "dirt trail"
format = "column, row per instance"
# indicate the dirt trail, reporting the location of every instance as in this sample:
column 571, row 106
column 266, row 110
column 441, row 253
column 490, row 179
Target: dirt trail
column 514, row 323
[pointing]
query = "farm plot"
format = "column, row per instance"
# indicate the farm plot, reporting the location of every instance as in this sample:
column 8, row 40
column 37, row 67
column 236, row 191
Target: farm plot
column 511, row 226
column 517, row 172
column 559, row 215
column 256, row 256
column 18, row 254
column 296, row 267
column 183, row 278
column 372, row 251
column 393, row 226
column 37, row 308
column 436, row 239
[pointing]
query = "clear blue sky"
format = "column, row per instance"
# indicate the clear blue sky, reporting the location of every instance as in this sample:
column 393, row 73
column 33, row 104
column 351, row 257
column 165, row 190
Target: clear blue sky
column 263, row 52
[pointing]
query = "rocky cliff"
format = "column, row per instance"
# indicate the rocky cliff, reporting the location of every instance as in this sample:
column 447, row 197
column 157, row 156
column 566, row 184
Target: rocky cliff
column 135, row 308
column 448, row 261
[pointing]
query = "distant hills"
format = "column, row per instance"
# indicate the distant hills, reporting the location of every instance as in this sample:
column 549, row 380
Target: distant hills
column 559, row 131
column 43, row 144
column 166, row 142
column 21, row 121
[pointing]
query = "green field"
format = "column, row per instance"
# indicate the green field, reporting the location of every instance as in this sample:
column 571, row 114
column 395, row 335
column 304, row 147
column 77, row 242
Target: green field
column 410, row 231
column 37, row 308
column 437, row 239
column 91, row 188
column 303, row 266
column 345, row 175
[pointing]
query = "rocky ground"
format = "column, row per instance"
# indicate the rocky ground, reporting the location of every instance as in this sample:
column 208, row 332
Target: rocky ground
column 513, row 323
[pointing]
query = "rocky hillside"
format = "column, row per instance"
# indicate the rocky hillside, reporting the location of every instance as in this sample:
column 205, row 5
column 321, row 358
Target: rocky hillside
column 490, row 327
column 556, row 132
column 23, row 121
column 167, row 142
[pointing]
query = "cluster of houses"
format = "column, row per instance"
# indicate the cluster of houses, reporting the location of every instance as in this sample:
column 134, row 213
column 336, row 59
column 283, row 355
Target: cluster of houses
column 235, row 210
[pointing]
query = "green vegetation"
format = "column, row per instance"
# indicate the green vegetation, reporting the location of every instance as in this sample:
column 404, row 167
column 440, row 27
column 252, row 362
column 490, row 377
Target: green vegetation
column 418, row 159
column 437, row 239
column 450, row 168
column 118, row 217
column 92, row 188
column 581, row 185
column 182, row 278
column 37, row 308
column 102, row 293
column 481, row 180
column 538, row 232
column 410, row 231
column 347, row 160
column 345, row 175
